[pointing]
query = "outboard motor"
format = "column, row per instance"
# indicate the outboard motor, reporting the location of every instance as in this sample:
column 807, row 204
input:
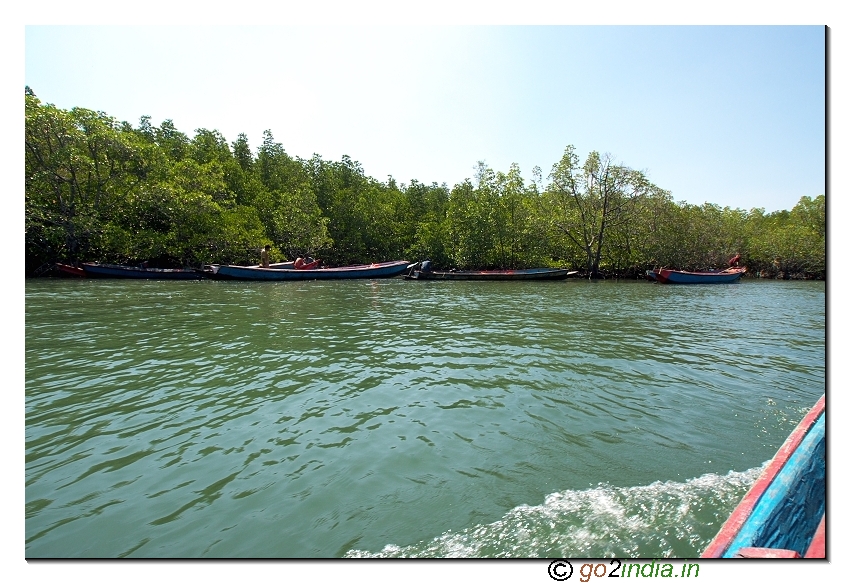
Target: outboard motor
column 426, row 266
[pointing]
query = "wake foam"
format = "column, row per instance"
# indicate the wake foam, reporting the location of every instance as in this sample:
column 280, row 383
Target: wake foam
column 662, row 519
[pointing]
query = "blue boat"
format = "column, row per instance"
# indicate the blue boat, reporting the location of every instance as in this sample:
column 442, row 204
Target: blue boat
column 369, row 271
column 423, row 270
column 129, row 272
column 783, row 514
column 730, row 275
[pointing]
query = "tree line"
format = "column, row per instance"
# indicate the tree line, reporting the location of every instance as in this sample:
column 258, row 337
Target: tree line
column 102, row 190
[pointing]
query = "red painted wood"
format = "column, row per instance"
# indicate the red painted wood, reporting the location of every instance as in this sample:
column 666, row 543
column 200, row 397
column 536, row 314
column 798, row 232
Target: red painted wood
column 71, row 270
column 817, row 548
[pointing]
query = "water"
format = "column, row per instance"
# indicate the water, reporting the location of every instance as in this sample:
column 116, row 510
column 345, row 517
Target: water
column 398, row 418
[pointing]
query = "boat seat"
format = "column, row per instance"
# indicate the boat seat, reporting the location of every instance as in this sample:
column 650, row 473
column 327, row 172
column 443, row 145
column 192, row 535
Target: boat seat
column 764, row 553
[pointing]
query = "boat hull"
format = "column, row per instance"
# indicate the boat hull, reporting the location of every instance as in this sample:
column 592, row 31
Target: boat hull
column 499, row 275
column 104, row 270
column 374, row 270
column 783, row 514
column 70, row 270
column 689, row 277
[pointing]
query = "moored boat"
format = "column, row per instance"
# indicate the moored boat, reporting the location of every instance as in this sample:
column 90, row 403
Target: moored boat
column 783, row 514
column 729, row 275
column 130, row 272
column 69, row 270
column 542, row 273
column 368, row 271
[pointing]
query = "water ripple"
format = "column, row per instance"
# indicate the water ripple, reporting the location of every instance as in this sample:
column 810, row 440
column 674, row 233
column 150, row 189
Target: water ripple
column 228, row 419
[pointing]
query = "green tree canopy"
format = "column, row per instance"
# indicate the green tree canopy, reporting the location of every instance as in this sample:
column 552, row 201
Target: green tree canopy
column 98, row 189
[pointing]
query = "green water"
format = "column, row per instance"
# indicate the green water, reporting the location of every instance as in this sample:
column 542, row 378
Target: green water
column 399, row 418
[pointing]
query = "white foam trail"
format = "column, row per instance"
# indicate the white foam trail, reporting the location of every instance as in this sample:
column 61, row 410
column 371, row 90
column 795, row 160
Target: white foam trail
column 662, row 519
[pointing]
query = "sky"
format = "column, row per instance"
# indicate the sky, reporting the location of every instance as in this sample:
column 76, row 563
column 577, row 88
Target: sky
column 731, row 115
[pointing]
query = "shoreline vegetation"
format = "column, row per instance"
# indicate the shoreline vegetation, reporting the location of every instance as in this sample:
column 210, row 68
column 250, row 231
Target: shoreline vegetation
column 105, row 191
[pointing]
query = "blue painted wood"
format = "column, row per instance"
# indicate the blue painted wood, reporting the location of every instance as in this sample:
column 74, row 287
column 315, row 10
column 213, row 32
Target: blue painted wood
column 375, row 270
column 673, row 276
column 789, row 512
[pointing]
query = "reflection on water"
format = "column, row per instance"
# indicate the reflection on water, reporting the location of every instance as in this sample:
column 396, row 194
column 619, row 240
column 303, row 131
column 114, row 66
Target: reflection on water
column 317, row 419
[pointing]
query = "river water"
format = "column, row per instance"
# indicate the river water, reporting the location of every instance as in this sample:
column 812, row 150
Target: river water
column 394, row 418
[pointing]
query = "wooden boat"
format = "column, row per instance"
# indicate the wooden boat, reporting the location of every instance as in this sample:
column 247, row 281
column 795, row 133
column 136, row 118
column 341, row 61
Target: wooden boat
column 369, row 271
column 729, row 275
column 129, row 272
column 70, row 270
column 783, row 514
column 542, row 273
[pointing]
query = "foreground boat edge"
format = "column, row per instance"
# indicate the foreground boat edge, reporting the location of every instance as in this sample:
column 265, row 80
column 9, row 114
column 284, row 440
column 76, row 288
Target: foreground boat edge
column 770, row 501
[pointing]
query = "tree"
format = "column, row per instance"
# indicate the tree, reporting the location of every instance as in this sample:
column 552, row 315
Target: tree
column 654, row 232
column 426, row 209
column 586, row 202
column 287, row 202
column 79, row 166
column 469, row 231
column 173, row 142
column 790, row 243
column 97, row 189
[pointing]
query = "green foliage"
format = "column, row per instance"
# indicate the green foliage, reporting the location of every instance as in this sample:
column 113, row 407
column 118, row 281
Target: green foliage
column 790, row 244
column 79, row 166
column 101, row 190
column 595, row 207
column 423, row 215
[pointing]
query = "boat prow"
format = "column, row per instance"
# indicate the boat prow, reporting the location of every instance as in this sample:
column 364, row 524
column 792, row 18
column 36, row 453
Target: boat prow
column 69, row 270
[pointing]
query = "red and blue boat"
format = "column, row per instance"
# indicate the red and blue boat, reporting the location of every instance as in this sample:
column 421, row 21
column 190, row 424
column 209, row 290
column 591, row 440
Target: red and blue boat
column 729, row 275
column 784, row 513
column 252, row 273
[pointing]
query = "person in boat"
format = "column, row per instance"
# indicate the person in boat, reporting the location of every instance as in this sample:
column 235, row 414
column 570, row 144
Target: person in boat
column 299, row 263
column 264, row 256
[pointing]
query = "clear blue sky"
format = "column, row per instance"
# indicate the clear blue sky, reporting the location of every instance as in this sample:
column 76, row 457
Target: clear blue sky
column 733, row 115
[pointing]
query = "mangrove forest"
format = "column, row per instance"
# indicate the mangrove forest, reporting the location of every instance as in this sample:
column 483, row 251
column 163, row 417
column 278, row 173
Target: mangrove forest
column 98, row 189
